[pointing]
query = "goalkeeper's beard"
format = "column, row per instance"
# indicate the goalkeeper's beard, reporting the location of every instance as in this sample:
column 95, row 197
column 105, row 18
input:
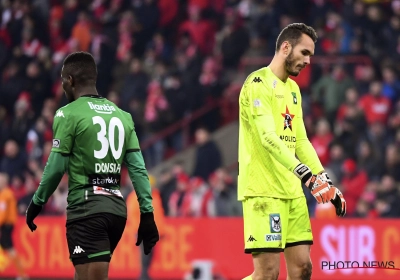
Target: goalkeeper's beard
column 290, row 65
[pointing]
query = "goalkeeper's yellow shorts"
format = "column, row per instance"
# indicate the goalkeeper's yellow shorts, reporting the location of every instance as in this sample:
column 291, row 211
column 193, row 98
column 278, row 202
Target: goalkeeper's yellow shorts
column 273, row 224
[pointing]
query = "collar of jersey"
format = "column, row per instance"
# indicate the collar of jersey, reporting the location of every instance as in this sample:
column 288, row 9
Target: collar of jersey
column 92, row 95
column 272, row 73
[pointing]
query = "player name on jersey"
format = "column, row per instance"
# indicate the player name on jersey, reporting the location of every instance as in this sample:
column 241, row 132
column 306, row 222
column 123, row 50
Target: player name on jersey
column 107, row 167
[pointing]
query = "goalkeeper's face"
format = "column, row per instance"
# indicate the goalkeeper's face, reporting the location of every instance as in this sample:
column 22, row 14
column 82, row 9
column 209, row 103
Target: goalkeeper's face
column 299, row 56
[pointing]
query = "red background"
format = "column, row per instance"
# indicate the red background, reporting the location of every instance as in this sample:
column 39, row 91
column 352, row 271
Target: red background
column 45, row 253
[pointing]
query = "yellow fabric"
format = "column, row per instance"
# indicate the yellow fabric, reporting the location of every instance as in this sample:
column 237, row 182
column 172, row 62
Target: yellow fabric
column 268, row 224
column 271, row 133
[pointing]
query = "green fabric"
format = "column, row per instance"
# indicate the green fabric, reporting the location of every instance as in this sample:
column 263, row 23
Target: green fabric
column 140, row 180
column 53, row 172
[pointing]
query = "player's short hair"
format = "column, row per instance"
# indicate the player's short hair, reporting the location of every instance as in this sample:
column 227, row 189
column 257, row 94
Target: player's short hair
column 82, row 67
column 292, row 33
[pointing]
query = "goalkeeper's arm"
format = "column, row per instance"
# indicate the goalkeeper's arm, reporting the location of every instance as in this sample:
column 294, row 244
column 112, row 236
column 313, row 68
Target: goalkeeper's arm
column 320, row 185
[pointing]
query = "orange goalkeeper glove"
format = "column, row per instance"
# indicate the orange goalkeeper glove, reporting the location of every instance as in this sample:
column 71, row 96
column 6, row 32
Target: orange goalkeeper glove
column 318, row 184
column 338, row 200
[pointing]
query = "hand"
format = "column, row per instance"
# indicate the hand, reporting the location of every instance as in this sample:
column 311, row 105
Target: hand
column 320, row 185
column 339, row 202
column 31, row 213
column 147, row 232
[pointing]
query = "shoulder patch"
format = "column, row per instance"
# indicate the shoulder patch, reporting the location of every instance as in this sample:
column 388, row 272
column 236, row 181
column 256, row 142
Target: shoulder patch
column 56, row 143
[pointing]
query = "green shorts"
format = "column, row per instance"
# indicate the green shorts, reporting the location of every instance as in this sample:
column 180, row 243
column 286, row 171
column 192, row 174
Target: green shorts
column 273, row 224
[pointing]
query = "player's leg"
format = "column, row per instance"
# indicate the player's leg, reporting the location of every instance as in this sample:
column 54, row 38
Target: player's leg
column 89, row 247
column 92, row 271
column 299, row 241
column 115, row 230
column 298, row 262
column 6, row 243
column 263, row 235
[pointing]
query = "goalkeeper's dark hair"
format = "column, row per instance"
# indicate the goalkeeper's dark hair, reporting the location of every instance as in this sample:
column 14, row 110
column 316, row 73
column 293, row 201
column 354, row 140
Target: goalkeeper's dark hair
column 293, row 32
column 82, row 67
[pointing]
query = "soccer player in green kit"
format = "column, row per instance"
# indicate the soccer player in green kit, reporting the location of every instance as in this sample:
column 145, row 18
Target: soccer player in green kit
column 271, row 135
column 92, row 138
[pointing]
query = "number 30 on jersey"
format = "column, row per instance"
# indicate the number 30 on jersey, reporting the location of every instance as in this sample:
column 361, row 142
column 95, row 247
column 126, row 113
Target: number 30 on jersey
column 108, row 140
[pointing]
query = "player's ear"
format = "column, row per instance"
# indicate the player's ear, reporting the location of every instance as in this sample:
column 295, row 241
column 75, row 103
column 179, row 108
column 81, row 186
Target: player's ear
column 71, row 80
column 286, row 48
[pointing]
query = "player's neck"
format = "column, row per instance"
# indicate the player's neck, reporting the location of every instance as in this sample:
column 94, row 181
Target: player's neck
column 278, row 68
column 85, row 91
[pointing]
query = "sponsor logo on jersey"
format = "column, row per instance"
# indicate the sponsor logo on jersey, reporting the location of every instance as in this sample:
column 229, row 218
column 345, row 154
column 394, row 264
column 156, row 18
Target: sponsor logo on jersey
column 56, row 143
column 104, row 179
column 288, row 138
column 102, row 109
column 105, row 191
column 257, row 103
column 107, row 168
column 287, row 123
column 60, row 114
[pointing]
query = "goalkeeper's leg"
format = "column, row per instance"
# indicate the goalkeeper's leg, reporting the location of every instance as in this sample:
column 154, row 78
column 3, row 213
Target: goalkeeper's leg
column 298, row 262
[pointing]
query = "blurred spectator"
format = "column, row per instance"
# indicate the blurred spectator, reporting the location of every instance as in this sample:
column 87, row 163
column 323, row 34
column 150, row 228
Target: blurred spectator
column 369, row 161
column 201, row 30
column 179, row 201
column 22, row 121
column 233, row 39
column 208, row 156
column 30, row 187
column 135, row 84
column 352, row 184
column 168, row 184
column 221, row 199
column 387, row 201
column 376, row 107
column 392, row 163
column 330, row 90
column 362, row 209
column 337, row 156
column 14, row 160
column 321, row 140
column 391, row 83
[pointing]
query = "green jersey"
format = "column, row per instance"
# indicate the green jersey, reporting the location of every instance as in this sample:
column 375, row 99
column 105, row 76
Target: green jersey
column 96, row 135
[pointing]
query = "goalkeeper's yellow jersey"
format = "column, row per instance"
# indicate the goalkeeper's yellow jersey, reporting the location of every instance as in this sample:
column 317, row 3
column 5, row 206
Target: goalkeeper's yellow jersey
column 271, row 134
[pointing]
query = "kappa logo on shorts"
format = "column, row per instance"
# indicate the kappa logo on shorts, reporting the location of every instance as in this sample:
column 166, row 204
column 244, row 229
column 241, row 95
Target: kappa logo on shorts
column 251, row 239
column 78, row 250
column 275, row 223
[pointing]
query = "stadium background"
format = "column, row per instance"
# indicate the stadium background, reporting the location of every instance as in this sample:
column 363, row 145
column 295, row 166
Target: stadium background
column 177, row 66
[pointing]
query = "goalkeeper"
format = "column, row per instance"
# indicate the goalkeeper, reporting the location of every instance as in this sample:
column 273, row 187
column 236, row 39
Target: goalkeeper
column 271, row 135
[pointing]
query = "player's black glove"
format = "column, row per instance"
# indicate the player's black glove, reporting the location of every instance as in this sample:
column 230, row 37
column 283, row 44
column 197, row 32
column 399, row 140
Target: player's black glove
column 147, row 232
column 31, row 213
